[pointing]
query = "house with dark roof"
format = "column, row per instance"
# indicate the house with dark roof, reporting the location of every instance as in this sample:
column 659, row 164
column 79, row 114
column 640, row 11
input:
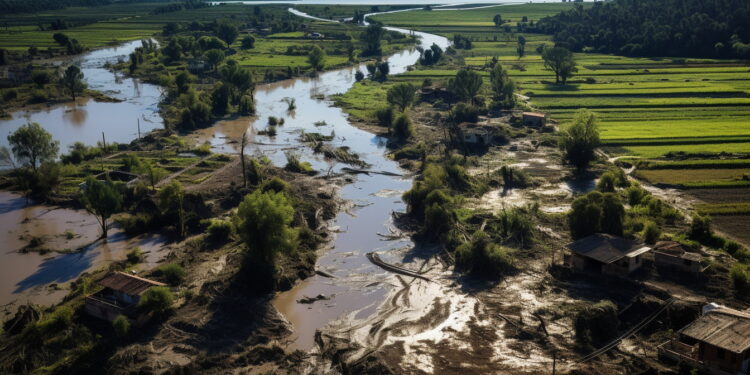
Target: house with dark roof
column 606, row 254
column 671, row 255
column 718, row 341
column 120, row 296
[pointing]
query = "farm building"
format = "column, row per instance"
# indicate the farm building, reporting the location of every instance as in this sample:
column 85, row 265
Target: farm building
column 534, row 119
column 606, row 254
column 120, row 296
column 672, row 256
column 196, row 66
column 475, row 134
column 719, row 341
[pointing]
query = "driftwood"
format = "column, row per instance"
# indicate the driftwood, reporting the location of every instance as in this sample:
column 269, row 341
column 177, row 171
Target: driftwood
column 375, row 259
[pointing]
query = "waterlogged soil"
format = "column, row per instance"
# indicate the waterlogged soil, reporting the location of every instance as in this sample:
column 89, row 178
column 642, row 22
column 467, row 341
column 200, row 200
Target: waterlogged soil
column 39, row 275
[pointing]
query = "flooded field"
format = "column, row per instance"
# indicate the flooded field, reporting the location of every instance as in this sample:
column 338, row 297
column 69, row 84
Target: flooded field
column 85, row 120
column 38, row 278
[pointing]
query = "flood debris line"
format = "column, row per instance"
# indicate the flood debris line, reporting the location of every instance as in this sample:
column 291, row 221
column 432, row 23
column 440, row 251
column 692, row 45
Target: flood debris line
column 368, row 172
column 375, row 259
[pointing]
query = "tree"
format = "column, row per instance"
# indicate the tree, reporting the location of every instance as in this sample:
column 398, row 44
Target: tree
column 41, row 78
column 214, row 57
column 560, row 60
column 33, row 145
column 371, row 37
column 101, row 199
column 317, row 58
column 264, row 222
column 171, row 204
column 358, row 76
column 401, row 95
column 227, row 32
column 580, row 139
column 497, row 20
column 466, row 85
column 521, row 49
column 402, row 128
column 72, row 81
column 248, row 42
column 182, row 81
column 220, row 98
column 596, row 213
column 502, row 88
column 152, row 173
column 173, row 50
column 60, row 39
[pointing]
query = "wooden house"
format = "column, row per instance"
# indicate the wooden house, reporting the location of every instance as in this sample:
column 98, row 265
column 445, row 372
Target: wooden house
column 718, row 341
column 120, row 296
column 671, row 255
column 534, row 119
column 606, row 254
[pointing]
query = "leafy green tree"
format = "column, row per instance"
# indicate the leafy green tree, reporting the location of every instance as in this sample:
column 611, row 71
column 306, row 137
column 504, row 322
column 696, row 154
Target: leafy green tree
column 157, row 299
column 371, row 37
column 101, row 199
column 220, row 98
column 596, row 213
column 172, row 51
column 72, row 81
column 32, row 145
column 502, row 88
column 401, row 95
column 483, row 259
column 248, row 42
column 560, row 60
column 317, row 58
column 171, row 204
column 182, row 82
column 521, row 48
column 152, row 173
column 580, row 139
column 466, row 85
column 497, row 20
column 227, row 32
column 60, row 38
column 41, row 78
column 264, row 222
column 214, row 57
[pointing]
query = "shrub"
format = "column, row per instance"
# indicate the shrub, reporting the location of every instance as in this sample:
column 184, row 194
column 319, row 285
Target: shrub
column 173, row 273
column 700, row 228
column 580, row 139
column 438, row 216
column 293, row 164
column 157, row 299
column 597, row 323
column 121, row 325
column 517, row 225
column 482, row 258
column 10, row 94
column 219, row 231
column 651, row 232
column 463, row 112
column 59, row 320
column 136, row 224
column 402, row 128
column 385, row 116
column 276, row 185
column 135, row 256
column 635, row 193
column 514, row 177
column 273, row 121
column 732, row 246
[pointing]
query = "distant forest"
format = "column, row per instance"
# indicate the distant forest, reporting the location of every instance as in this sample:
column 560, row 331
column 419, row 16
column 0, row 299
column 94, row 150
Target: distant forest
column 689, row 28
column 28, row 6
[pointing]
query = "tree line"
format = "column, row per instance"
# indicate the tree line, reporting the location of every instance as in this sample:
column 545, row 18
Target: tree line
column 691, row 28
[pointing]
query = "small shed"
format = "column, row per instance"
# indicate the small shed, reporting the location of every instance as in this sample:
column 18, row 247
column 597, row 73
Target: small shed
column 719, row 340
column 534, row 119
column 197, row 66
column 475, row 134
column 120, row 296
column 603, row 253
column 672, row 255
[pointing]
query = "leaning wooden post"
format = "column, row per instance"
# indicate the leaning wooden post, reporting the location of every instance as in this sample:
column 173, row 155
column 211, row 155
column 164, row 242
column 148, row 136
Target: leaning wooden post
column 139, row 129
column 554, row 362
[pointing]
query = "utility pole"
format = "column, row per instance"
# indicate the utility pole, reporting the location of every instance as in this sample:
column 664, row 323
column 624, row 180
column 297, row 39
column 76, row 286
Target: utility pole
column 104, row 144
column 139, row 129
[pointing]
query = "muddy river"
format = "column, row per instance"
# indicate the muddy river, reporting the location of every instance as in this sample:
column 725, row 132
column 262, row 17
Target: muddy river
column 359, row 290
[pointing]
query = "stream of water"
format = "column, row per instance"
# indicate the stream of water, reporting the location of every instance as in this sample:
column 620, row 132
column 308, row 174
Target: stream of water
column 375, row 196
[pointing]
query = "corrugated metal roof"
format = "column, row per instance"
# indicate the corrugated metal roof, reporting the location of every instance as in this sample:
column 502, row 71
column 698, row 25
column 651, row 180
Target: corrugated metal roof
column 606, row 248
column 126, row 283
column 725, row 328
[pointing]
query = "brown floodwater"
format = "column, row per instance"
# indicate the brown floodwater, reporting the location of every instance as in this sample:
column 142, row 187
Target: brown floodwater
column 31, row 277
column 85, row 120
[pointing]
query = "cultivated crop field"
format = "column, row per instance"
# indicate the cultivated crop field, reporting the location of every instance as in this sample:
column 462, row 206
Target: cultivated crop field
column 690, row 118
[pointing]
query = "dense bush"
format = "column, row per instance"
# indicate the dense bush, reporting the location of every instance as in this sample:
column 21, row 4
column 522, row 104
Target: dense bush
column 134, row 256
column 276, row 185
column 516, row 225
column 121, row 326
column 385, row 116
column 157, row 299
column 172, row 273
column 740, row 275
column 482, row 258
column 402, row 128
column 463, row 112
column 219, row 231
column 580, row 139
column 596, row 212
column 611, row 180
column 651, row 232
